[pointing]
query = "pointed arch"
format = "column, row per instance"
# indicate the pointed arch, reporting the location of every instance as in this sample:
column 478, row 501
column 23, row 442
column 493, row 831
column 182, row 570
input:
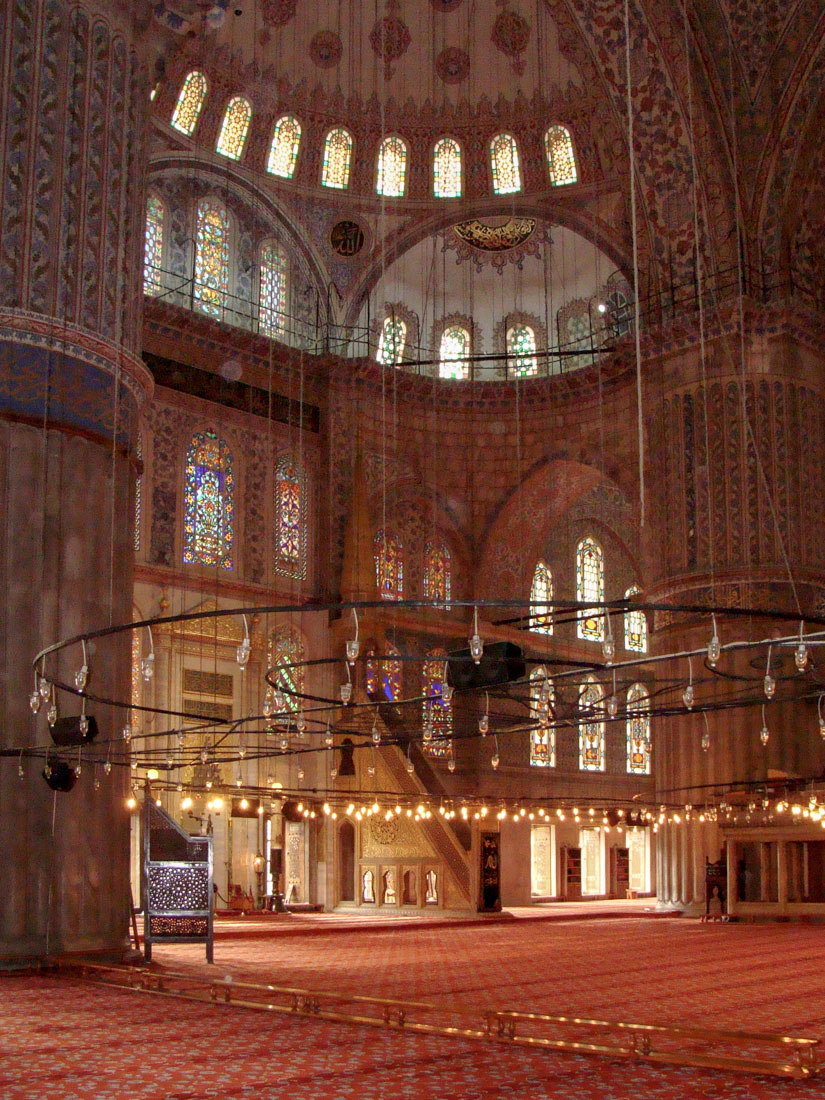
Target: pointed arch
column 504, row 163
column 454, row 352
column 543, row 734
column 521, row 351
column 391, row 341
column 561, row 160
column 591, row 727
column 638, row 730
column 234, row 128
column 389, row 565
column 208, row 502
column 189, row 103
column 590, row 587
column 541, row 597
column 437, row 571
column 290, row 519
column 283, row 151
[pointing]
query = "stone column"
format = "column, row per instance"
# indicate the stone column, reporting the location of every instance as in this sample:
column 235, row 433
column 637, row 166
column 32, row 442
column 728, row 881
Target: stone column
column 74, row 98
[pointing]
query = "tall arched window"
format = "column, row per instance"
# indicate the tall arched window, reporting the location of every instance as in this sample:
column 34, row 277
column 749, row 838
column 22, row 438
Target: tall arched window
column 290, row 520
column 447, row 169
column 543, row 734
column 437, row 572
column 638, row 730
column 389, row 565
column 272, row 302
column 591, row 728
column 541, row 597
column 590, row 587
column 138, row 491
column 391, row 341
column 190, row 101
column 505, row 165
column 521, row 351
column 283, row 152
column 337, row 155
column 561, row 160
column 211, row 258
column 285, row 657
column 137, row 681
column 436, row 712
column 635, row 624
column 454, row 353
column 153, row 246
column 234, row 128
column 392, row 168
column 208, row 502
column 383, row 678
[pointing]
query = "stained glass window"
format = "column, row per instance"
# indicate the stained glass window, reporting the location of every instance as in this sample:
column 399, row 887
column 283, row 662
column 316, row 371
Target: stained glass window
column 435, row 710
column 454, row 352
column 389, row 565
column 235, row 127
column 211, row 258
column 138, row 490
column 391, row 342
column 591, row 728
column 590, row 586
column 635, row 624
column 521, row 351
column 337, row 155
column 290, row 520
column 437, row 572
column 190, row 101
column 543, row 735
column 447, row 169
column 392, row 168
column 561, row 161
column 638, row 730
column 273, row 290
column 285, row 656
column 504, row 160
column 137, row 681
column 208, row 504
column 541, row 592
column 283, row 152
column 153, row 246
column 383, row 678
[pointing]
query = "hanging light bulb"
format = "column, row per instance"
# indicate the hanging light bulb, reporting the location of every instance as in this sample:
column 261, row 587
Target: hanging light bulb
column 328, row 738
column 204, row 756
column 688, row 696
column 352, row 645
column 428, row 730
column 346, row 693
column 83, row 724
column 107, row 767
column 44, row 688
column 81, row 677
column 769, row 683
column 451, row 763
column 800, row 654
column 613, row 702
column 410, row 767
column 51, row 714
column 239, row 780
column 21, row 771
column 494, row 761
column 284, row 742
column 300, row 775
column 34, row 701
column 484, row 720
column 764, row 735
column 371, row 770
column 706, row 734
column 333, row 773
column 446, row 686
column 300, row 722
column 127, row 732
column 245, row 648
column 476, row 644
column 147, row 667
column 714, row 648
column 267, row 704
column 608, row 645
column 134, row 765
column 278, row 699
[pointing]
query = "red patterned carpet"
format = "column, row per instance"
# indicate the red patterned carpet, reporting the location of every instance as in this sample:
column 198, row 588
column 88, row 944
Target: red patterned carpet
column 63, row 1038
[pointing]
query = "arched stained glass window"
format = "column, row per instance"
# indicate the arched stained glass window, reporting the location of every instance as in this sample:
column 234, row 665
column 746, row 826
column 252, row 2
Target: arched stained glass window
column 638, row 730
column 383, row 678
column 543, row 735
column 285, row 656
column 541, row 594
column 437, row 572
column 521, row 351
column 211, row 258
column 234, row 128
column 283, row 152
column 138, row 491
column 137, row 681
column 561, row 160
column 153, row 246
column 447, row 169
column 635, row 624
column 389, row 565
column 436, row 712
column 290, row 520
column 337, row 155
column 590, row 586
column 591, row 728
column 505, row 165
column 272, row 305
column 391, row 342
column 208, row 502
column 392, row 168
column 454, row 353
column 190, row 101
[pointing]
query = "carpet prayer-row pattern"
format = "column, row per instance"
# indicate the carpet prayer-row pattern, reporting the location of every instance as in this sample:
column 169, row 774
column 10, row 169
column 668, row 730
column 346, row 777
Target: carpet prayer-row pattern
column 63, row 1038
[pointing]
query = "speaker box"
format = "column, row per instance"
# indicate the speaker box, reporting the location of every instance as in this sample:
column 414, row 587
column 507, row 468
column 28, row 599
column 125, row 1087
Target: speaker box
column 66, row 731
column 59, row 774
column 501, row 663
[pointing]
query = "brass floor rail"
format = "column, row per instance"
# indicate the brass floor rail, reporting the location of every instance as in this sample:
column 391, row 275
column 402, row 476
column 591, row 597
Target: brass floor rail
column 741, row 1051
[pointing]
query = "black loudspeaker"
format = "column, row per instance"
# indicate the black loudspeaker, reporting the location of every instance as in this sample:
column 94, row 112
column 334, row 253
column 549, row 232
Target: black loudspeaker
column 291, row 812
column 275, row 862
column 66, row 731
column 501, row 663
column 59, row 774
